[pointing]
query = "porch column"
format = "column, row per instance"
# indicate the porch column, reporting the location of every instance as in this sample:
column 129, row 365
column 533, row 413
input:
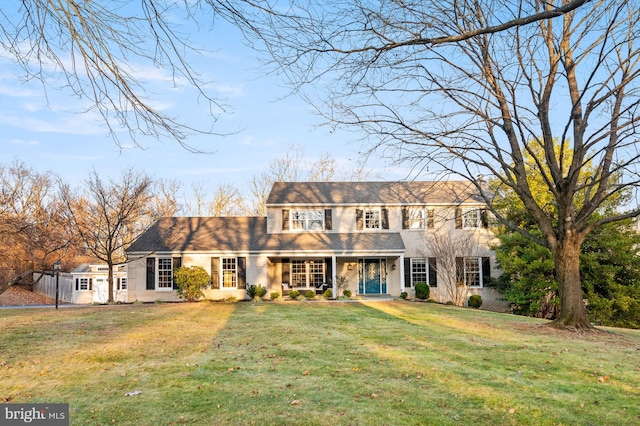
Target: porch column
column 402, row 283
column 334, row 288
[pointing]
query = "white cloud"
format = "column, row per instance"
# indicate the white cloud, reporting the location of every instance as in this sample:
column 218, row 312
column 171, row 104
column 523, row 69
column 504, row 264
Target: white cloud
column 23, row 142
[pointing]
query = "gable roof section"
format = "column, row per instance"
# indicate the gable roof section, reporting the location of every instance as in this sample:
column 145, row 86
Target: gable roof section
column 373, row 193
column 249, row 234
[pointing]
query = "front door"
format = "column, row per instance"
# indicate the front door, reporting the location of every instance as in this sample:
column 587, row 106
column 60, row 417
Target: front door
column 100, row 290
column 372, row 277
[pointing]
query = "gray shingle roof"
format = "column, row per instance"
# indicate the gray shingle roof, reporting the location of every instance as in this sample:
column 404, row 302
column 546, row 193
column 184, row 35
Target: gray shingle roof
column 372, row 193
column 249, row 234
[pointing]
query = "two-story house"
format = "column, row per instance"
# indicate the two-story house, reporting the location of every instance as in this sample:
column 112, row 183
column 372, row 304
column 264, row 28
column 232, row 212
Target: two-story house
column 380, row 237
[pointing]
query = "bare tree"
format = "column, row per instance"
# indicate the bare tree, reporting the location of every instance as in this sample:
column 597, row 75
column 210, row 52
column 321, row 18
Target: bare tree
column 295, row 166
column 109, row 216
column 460, row 87
column 98, row 50
column 448, row 249
column 32, row 231
column 226, row 201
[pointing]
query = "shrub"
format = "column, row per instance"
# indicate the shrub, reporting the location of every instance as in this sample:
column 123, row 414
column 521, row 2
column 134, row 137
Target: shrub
column 294, row 294
column 328, row 294
column 275, row 295
column 256, row 291
column 422, row 291
column 310, row 294
column 449, row 302
column 404, row 295
column 475, row 301
column 190, row 281
column 346, row 292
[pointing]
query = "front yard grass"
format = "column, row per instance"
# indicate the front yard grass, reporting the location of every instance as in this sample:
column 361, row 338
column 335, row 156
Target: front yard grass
column 305, row 363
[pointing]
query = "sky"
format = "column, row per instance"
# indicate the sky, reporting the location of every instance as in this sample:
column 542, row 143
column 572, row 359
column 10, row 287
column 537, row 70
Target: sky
column 53, row 133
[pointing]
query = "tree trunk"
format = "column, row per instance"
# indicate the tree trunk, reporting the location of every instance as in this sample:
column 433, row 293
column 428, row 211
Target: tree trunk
column 567, row 262
column 110, row 286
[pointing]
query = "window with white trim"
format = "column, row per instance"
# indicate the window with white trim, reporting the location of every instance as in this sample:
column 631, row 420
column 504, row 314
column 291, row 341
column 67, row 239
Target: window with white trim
column 472, row 269
column 419, row 269
column 307, row 273
column 122, row 283
column 229, row 272
column 423, row 270
column 307, row 220
column 371, row 218
column 83, row 284
column 471, row 218
column 417, row 218
column 165, row 273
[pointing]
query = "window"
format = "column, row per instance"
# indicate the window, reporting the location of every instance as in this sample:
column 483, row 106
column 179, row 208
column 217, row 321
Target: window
column 307, row 220
column 418, row 271
column 417, row 219
column 165, row 273
column 470, row 218
column 83, row 284
column 122, row 283
column 229, row 273
column 473, row 271
column 372, row 219
column 307, row 273
column 423, row 270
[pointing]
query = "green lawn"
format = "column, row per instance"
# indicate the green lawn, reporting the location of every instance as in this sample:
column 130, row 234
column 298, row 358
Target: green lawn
column 316, row 363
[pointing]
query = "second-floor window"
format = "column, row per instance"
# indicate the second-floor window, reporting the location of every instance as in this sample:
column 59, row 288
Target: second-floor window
column 307, row 220
column 417, row 218
column 371, row 219
column 470, row 218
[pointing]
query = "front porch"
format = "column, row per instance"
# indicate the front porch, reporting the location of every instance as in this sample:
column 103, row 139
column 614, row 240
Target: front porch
column 367, row 276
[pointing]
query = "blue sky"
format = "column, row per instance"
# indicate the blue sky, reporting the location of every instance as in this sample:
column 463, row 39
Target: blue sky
column 53, row 133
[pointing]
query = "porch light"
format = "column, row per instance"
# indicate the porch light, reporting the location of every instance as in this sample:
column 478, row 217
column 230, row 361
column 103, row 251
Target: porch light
column 349, row 266
column 393, row 266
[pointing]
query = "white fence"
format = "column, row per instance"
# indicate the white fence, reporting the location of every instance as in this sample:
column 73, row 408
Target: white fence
column 47, row 286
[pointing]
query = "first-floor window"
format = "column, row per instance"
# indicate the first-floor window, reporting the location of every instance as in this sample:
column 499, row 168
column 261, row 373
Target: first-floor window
column 229, row 272
column 423, row 270
column 122, row 283
column 472, row 271
column 83, row 284
column 165, row 272
column 307, row 273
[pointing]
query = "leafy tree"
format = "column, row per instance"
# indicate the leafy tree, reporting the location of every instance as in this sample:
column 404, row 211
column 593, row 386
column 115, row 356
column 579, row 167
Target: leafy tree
column 610, row 270
column 191, row 281
column 461, row 87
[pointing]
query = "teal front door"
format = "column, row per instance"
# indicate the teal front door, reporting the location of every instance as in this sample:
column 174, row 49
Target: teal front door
column 372, row 279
